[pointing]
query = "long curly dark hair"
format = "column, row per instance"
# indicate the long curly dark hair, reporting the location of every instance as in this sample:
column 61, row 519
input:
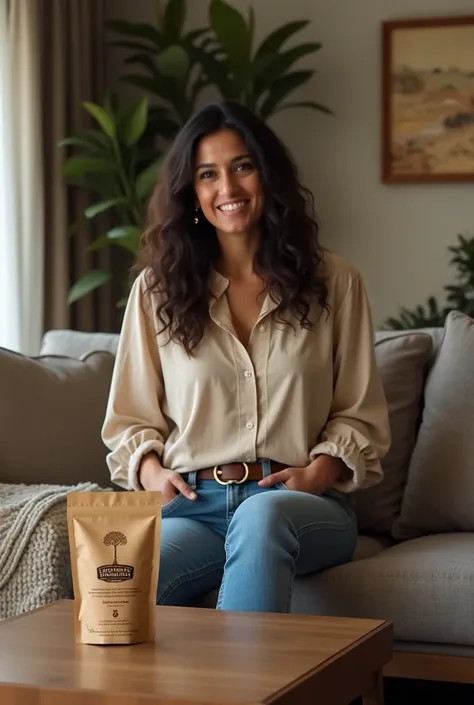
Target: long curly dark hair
column 179, row 254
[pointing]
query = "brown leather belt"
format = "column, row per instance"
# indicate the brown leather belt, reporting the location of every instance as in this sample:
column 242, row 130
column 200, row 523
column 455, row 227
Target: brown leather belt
column 236, row 473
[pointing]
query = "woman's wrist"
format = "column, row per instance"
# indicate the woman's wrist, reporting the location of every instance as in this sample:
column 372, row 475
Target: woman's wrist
column 335, row 468
column 149, row 465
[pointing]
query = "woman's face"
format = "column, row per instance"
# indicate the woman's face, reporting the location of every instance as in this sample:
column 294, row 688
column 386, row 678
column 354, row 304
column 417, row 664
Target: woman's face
column 227, row 183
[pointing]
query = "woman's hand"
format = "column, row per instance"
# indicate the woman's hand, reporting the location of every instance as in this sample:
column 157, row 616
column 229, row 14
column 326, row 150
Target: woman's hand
column 316, row 478
column 153, row 476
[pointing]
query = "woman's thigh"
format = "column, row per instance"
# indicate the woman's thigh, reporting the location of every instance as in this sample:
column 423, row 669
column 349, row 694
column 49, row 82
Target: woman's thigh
column 324, row 526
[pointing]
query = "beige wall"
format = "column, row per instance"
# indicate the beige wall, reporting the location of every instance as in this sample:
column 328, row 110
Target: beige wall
column 396, row 235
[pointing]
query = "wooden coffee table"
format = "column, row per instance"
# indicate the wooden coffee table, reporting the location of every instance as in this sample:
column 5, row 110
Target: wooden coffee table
column 201, row 657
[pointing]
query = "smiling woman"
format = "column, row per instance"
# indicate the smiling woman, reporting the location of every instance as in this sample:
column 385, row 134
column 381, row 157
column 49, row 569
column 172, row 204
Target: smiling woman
column 245, row 387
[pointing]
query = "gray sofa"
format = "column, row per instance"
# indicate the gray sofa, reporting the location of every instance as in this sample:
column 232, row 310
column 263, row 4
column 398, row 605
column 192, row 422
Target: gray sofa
column 414, row 563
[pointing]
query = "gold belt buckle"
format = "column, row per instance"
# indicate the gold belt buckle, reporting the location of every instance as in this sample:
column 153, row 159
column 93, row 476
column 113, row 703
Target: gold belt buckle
column 218, row 472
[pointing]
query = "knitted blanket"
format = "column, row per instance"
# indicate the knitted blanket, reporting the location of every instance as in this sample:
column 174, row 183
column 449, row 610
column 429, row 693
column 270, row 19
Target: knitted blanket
column 34, row 548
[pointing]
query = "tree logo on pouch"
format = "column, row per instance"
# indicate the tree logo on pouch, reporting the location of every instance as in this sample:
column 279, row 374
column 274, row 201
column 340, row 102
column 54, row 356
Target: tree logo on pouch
column 115, row 572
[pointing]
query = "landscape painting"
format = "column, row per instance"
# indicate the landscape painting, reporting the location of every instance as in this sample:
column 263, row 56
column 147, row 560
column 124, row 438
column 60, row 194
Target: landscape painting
column 428, row 100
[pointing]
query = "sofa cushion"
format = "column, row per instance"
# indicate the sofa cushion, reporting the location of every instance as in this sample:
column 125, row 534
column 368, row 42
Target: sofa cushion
column 368, row 546
column 51, row 413
column 403, row 360
column 75, row 343
column 424, row 586
column 440, row 487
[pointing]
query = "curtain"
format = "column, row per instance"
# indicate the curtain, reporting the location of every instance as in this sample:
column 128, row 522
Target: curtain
column 72, row 53
column 21, row 180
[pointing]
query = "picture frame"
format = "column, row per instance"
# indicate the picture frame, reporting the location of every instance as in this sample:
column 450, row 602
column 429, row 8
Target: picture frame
column 428, row 100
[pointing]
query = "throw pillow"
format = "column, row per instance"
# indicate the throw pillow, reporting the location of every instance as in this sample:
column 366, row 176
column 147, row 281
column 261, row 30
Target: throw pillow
column 77, row 343
column 51, row 413
column 440, row 487
column 402, row 360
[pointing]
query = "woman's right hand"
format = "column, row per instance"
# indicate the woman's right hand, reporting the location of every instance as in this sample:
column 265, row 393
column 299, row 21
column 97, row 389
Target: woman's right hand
column 153, row 476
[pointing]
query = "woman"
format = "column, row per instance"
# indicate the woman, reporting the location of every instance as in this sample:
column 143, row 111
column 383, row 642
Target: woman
column 245, row 387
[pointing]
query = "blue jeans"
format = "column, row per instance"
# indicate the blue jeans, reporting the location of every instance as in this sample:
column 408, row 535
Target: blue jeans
column 251, row 542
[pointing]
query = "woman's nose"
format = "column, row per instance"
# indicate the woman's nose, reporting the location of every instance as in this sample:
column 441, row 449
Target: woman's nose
column 228, row 185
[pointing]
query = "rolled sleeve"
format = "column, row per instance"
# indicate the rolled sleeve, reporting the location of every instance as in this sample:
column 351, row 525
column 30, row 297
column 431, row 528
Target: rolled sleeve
column 357, row 430
column 134, row 423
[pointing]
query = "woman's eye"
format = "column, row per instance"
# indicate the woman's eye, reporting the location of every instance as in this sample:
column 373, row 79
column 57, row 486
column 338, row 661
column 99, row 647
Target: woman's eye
column 245, row 166
column 206, row 174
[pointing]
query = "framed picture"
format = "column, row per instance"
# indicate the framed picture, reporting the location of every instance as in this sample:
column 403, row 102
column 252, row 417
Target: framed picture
column 428, row 100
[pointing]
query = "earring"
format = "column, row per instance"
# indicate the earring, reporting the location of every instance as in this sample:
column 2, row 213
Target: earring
column 196, row 218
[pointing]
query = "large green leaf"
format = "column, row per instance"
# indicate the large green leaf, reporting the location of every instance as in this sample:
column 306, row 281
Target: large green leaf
column 105, row 120
column 103, row 206
column 126, row 236
column 276, row 39
column 91, row 140
column 280, row 89
column 136, row 29
column 145, row 60
column 173, row 20
column 174, row 62
column 233, row 34
column 158, row 87
column 93, row 280
column 147, row 179
column 78, row 166
column 100, row 243
column 123, row 231
column 165, row 87
column 130, row 244
column 103, row 183
column 134, row 125
column 280, row 64
column 305, row 104
column 138, row 46
column 216, row 71
column 111, row 102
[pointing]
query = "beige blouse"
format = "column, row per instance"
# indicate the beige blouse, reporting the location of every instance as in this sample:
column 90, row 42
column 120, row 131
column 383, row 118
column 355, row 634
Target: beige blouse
column 291, row 395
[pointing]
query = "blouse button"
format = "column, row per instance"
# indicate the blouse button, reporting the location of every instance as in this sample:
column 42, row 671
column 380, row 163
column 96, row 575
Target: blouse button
column 262, row 328
column 249, row 425
column 247, row 374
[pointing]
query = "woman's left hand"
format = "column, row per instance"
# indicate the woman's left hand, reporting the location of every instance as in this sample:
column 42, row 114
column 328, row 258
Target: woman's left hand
column 316, row 478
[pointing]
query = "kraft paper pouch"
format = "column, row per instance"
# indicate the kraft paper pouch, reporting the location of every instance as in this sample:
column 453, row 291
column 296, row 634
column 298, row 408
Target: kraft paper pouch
column 114, row 539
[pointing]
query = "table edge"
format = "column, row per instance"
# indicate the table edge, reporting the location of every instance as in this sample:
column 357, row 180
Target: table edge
column 385, row 626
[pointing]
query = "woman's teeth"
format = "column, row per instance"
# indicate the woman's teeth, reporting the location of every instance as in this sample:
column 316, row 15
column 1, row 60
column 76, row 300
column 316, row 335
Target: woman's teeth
column 229, row 207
